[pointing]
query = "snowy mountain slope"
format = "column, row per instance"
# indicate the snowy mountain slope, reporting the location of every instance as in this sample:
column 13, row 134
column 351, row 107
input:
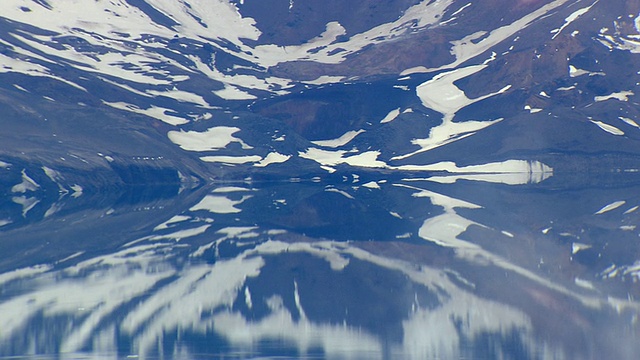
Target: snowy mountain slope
column 392, row 88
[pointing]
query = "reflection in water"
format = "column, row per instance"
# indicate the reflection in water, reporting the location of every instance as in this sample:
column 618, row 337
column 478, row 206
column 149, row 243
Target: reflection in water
column 403, row 269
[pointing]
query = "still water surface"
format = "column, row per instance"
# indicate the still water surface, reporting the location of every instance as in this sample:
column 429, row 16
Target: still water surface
column 357, row 268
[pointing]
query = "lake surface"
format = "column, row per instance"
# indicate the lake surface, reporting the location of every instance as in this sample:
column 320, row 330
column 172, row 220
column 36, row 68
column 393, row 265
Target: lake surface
column 352, row 266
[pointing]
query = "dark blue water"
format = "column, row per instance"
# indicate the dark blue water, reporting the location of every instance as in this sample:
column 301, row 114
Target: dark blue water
column 399, row 268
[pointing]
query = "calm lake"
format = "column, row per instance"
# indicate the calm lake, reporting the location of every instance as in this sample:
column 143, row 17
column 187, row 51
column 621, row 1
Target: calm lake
column 355, row 266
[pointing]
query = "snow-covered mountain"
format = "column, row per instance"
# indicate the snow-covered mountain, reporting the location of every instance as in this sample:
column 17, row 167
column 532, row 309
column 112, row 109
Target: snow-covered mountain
column 213, row 87
column 399, row 179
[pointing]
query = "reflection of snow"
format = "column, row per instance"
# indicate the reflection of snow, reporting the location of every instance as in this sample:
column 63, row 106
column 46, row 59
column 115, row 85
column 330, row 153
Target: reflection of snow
column 77, row 190
column 27, row 184
column 333, row 339
column 510, row 172
column 140, row 293
column 27, row 203
column 23, row 273
column 498, row 178
column 632, row 271
column 219, row 204
column 434, row 331
column 181, row 303
column 90, row 299
column 198, row 290
column 445, row 230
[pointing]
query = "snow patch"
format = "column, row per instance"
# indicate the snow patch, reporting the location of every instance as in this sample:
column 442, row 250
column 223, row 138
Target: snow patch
column 230, row 92
column 155, row 112
column 575, row 72
column 532, row 110
column 608, row 128
column 614, row 205
column 182, row 234
column 629, row 121
column 577, row 247
column 214, row 138
column 368, row 159
column 272, row 158
column 621, row 96
column 631, row 210
column 442, row 95
column 371, row 185
column 231, row 159
column 571, row 18
column 341, row 141
column 175, row 219
column 343, row 193
column 390, row 116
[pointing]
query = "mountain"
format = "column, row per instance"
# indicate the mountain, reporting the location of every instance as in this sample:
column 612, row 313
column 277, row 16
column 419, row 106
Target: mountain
column 201, row 174
column 216, row 88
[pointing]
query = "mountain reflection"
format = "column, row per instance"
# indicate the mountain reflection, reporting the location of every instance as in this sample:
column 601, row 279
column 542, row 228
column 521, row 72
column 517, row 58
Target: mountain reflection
column 375, row 268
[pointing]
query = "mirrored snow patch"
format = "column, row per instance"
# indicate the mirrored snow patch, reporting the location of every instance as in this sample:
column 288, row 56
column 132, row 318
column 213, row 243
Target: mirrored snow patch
column 220, row 204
